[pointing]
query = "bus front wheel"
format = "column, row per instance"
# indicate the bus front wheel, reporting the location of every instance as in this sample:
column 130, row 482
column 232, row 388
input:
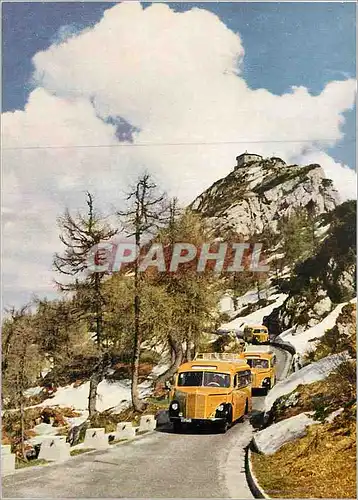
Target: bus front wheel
column 223, row 427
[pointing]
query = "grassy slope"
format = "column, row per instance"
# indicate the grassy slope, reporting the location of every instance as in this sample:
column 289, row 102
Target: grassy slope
column 320, row 465
column 323, row 463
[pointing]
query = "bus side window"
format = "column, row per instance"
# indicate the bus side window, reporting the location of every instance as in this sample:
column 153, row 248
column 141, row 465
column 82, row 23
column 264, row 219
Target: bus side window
column 247, row 377
column 236, row 380
column 244, row 378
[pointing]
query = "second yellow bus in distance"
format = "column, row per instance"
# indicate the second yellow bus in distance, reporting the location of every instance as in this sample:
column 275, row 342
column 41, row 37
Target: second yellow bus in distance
column 263, row 367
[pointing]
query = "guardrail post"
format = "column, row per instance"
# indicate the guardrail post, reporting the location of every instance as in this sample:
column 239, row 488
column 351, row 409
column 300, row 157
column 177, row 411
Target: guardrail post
column 96, row 438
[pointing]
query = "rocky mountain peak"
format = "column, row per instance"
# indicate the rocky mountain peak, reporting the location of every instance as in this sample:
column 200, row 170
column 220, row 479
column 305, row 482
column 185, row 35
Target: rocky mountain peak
column 259, row 191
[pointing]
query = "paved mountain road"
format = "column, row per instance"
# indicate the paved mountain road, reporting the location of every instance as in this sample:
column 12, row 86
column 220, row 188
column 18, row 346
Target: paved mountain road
column 161, row 464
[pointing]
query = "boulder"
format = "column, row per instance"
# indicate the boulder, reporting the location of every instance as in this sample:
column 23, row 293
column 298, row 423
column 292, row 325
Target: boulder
column 269, row 440
column 162, row 418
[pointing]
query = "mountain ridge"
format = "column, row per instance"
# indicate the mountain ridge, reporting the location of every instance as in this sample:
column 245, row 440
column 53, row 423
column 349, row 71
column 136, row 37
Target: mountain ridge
column 260, row 191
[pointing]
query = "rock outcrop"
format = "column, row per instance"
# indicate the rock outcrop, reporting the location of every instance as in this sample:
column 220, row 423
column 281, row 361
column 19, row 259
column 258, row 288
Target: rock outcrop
column 259, row 192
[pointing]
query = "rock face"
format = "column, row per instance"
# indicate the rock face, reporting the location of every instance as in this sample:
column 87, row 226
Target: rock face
column 260, row 191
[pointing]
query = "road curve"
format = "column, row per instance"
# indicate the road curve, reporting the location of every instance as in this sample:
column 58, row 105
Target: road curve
column 162, row 464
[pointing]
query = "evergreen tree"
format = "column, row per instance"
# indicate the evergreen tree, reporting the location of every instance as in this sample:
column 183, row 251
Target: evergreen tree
column 79, row 235
column 298, row 236
column 23, row 363
column 194, row 294
column 147, row 212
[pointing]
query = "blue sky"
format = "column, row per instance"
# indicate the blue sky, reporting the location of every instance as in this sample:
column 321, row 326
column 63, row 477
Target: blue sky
column 285, row 44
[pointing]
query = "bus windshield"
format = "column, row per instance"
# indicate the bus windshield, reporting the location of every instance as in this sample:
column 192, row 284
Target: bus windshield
column 257, row 363
column 203, row 379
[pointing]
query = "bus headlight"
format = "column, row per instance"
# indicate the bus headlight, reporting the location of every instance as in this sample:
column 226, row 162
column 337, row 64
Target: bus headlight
column 220, row 407
column 174, row 406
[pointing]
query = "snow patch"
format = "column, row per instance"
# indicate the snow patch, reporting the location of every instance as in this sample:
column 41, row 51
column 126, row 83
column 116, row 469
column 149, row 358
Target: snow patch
column 109, row 395
column 333, row 415
column 256, row 317
column 322, row 230
column 74, row 421
column 307, row 375
column 226, row 303
column 269, row 440
column 275, row 256
column 33, row 391
column 44, row 429
column 302, row 342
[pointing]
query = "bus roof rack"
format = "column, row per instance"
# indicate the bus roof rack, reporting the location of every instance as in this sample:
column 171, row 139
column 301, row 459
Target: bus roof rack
column 259, row 348
column 221, row 356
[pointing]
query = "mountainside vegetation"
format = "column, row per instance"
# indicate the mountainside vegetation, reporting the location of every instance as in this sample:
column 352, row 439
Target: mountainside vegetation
column 140, row 324
column 325, row 278
column 108, row 324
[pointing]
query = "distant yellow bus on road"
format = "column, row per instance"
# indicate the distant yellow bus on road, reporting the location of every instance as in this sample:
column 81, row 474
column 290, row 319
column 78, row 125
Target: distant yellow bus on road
column 213, row 388
column 263, row 368
column 256, row 334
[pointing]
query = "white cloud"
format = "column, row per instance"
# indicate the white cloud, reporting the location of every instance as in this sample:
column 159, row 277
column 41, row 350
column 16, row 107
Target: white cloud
column 176, row 78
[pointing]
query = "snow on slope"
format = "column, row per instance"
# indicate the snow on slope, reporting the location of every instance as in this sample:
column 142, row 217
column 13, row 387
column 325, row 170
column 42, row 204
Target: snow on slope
column 226, row 303
column 308, row 374
column 116, row 395
column 269, row 440
column 256, row 317
column 109, row 395
column 302, row 341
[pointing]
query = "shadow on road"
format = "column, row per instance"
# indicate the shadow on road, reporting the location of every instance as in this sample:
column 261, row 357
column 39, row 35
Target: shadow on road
column 192, row 429
column 259, row 392
column 195, row 429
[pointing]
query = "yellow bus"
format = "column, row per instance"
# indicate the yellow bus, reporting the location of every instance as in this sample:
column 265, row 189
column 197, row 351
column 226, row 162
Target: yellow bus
column 263, row 368
column 256, row 334
column 213, row 388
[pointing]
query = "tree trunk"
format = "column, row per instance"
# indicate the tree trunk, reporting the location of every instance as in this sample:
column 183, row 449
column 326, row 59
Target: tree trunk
column 178, row 350
column 136, row 402
column 172, row 355
column 276, row 269
column 92, row 397
column 96, row 378
column 235, row 301
column 258, row 290
column 98, row 309
column 22, row 428
column 188, row 353
column 195, row 349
